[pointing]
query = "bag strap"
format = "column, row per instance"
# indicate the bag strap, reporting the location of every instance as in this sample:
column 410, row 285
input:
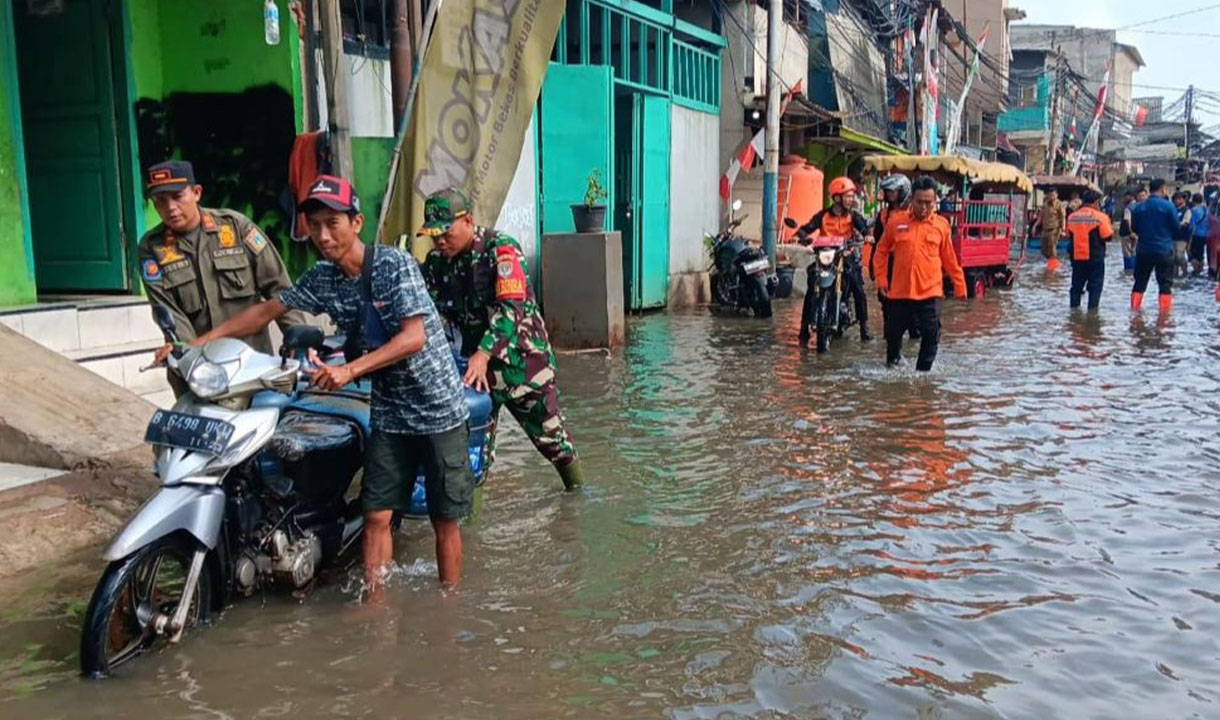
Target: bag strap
column 366, row 273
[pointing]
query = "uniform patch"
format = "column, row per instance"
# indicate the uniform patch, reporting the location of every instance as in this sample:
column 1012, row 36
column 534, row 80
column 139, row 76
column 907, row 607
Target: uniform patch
column 151, row 271
column 228, row 238
column 255, row 241
column 510, row 276
column 168, row 252
column 226, row 252
column 209, row 223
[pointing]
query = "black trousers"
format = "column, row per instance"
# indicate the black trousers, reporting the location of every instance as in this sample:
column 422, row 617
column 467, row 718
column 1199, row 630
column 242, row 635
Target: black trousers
column 905, row 314
column 1090, row 274
column 853, row 282
column 1161, row 264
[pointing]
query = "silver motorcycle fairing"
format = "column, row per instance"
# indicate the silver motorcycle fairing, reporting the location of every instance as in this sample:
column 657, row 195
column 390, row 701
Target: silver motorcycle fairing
column 197, row 509
column 253, row 428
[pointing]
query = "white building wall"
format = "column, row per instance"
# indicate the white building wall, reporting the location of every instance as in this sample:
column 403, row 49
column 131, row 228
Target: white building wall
column 519, row 215
column 694, row 187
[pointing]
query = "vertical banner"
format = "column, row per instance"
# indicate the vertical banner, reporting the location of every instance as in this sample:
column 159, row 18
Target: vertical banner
column 479, row 80
column 1089, row 144
column 930, row 139
column 955, row 121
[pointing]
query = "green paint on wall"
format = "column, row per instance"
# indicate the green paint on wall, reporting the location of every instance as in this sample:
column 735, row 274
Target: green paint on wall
column 16, row 253
column 145, row 35
column 371, row 167
column 218, row 46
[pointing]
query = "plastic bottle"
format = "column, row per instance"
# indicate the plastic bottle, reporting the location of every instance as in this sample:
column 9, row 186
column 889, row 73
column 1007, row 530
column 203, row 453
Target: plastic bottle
column 271, row 23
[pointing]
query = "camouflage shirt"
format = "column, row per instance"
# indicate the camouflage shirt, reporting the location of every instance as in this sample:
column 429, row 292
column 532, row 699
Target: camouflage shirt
column 486, row 293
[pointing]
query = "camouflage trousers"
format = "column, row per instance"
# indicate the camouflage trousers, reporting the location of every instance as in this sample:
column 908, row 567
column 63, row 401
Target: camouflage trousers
column 535, row 405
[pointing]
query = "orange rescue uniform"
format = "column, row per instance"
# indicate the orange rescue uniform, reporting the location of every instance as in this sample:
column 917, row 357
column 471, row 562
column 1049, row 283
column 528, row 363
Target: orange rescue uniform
column 1089, row 229
column 923, row 255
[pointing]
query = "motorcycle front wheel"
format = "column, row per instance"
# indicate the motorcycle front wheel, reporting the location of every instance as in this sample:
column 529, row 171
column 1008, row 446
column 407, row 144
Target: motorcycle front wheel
column 760, row 298
column 119, row 624
column 826, row 306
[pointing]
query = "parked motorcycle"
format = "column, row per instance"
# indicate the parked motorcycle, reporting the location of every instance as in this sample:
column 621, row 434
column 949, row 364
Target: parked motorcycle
column 828, row 310
column 255, row 469
column 741, row 273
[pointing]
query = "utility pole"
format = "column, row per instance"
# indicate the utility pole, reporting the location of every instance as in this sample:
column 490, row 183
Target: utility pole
column 402, row 55
column 1052, row 140
column 336, row 87
column 1190, row 117
column 775, row 19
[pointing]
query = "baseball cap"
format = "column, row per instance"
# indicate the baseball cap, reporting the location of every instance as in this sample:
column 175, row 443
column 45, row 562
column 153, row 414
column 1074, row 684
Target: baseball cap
column 333, row 192
column 169, row 177
column 442, row 209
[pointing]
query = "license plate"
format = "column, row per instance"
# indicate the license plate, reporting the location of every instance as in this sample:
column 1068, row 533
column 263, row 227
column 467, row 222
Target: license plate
column 755, row 266
column 189, row 432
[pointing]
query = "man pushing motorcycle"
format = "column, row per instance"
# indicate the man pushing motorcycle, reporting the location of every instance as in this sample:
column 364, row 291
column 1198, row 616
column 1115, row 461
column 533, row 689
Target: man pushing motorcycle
column 418, row 413
column 840, row 220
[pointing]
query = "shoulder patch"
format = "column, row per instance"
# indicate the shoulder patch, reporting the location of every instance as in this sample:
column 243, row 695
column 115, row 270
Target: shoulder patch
column 209, row 222
column 150, row 271
column 255, row 240
column 510, row 276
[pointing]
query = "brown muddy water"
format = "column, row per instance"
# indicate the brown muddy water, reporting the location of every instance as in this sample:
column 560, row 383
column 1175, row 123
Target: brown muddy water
column 1031, row 531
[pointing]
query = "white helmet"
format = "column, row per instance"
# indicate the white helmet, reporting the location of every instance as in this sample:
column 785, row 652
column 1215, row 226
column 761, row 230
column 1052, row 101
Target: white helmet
column 899, row 182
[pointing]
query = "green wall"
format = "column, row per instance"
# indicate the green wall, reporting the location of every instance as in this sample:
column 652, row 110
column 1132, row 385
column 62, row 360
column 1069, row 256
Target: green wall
column 371, row 166
column 16, row 252
column 217, row 46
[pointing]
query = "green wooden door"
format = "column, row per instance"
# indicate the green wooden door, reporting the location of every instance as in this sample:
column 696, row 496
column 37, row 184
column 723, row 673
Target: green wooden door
column 652, row 201
column 71, row 146
column 576, row 125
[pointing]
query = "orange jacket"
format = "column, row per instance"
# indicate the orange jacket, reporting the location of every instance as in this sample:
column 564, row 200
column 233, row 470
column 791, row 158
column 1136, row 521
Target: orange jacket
column 1089, row 229
column 923, row 254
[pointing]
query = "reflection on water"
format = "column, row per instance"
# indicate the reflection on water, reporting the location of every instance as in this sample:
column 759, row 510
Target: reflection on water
column 1028, row 531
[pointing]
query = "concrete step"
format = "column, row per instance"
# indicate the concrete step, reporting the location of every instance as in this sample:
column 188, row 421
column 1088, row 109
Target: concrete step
column 66, row 324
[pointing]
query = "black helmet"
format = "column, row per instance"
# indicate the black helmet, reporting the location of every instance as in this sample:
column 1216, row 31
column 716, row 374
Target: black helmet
column 900, row 183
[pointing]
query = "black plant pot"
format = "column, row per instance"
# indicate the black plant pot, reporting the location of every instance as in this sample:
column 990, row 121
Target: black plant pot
column 589, row 219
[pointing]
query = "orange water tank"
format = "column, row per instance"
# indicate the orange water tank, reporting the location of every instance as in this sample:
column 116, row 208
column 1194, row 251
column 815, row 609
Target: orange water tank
column 800, row 193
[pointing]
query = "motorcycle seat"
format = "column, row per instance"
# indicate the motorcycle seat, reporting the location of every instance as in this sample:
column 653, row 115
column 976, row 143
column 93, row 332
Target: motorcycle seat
column 301, row 433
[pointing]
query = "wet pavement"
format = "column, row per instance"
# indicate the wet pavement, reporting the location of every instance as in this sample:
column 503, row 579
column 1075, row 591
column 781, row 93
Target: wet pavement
column 1030, row 531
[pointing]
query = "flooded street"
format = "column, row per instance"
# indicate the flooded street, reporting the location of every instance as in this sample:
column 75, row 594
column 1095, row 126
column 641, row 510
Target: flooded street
column 1030, row 531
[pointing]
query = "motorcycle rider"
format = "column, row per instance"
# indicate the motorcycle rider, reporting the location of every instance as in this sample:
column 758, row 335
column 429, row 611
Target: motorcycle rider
column 418, row 412
column 896, row 191
column 840, row 220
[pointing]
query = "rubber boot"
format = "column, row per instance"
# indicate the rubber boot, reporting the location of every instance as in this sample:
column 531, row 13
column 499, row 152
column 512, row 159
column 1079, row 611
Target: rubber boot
column 572, row 474
column 865, row 335
column 1166, row 303
column 1218, row 293
column 1052, row 265
column 1137, row 299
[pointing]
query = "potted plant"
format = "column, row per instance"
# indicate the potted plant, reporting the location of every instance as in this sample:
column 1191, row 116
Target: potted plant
column 590, row 216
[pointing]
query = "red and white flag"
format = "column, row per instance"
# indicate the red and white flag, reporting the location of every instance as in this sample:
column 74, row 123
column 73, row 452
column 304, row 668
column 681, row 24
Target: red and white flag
column 752, row 150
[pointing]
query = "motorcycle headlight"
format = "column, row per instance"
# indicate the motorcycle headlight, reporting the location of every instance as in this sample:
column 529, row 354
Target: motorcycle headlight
column 207, row 379
column 826, row 256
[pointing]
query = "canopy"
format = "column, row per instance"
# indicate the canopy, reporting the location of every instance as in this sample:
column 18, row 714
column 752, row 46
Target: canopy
column 990, row 172
column 1063, row 181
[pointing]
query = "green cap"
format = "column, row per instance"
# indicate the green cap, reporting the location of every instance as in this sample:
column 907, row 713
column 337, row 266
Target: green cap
column 442, row 209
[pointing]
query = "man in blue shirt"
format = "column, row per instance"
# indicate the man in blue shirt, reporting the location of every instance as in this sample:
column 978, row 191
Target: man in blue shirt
column 1198, row 233
column 418, row 411
column 1155, row 223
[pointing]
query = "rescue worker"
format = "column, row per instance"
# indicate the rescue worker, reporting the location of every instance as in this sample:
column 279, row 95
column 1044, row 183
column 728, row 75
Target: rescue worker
column 840, row 220
column 1155, row 222
column 205, row 265
column 1089, row 230
column 896, row 192
column 476, row 276
column 920, row 243
column 1052, row 220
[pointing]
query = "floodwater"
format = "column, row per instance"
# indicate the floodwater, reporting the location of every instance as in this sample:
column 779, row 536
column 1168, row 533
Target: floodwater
column 1030, row 531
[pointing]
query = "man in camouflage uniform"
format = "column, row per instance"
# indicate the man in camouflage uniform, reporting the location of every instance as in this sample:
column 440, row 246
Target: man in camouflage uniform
column 477, row 279
column 205, row 265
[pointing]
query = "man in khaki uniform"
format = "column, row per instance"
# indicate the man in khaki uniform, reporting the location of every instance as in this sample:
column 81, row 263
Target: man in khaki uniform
column 206, row 265
column 1053, row 220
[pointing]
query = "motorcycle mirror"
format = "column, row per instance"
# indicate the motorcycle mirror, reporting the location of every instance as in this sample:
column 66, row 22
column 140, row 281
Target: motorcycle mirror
column 789, row 222
column 736, row 204
column 164, row 319
column 303, row 337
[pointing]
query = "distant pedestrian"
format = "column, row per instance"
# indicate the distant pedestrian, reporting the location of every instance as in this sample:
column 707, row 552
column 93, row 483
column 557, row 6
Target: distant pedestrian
column 1198, row 233
column 1127, row 234
column 921, row 245
column 1155, row 222
column 1182, row 239
column 1089, row 230
column 1052, row 220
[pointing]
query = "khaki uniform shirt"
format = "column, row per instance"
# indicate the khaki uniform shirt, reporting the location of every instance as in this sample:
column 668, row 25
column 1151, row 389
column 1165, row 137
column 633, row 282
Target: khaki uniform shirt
column 1054, row 218
column 212, row 273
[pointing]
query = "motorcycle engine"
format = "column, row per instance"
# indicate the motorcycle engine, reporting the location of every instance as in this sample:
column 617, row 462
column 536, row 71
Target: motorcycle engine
column 278, row 559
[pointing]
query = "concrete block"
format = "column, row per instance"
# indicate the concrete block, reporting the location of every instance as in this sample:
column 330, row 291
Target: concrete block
column 109, row 368
column 143, row 327
column 103, row 326
column 142, row 383
column 53, row 329
column 12, row 322
column 582, row 276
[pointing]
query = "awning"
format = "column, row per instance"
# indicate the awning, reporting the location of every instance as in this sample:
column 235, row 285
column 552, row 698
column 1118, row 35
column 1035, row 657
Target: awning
column 992, row 172
column 1061, row 182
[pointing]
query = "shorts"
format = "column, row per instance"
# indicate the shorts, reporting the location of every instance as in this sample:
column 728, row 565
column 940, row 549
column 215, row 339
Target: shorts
column 1198, row 246
column 392, row 462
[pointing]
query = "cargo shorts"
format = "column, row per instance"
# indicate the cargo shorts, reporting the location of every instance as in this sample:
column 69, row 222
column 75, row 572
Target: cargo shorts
column 392, row 462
